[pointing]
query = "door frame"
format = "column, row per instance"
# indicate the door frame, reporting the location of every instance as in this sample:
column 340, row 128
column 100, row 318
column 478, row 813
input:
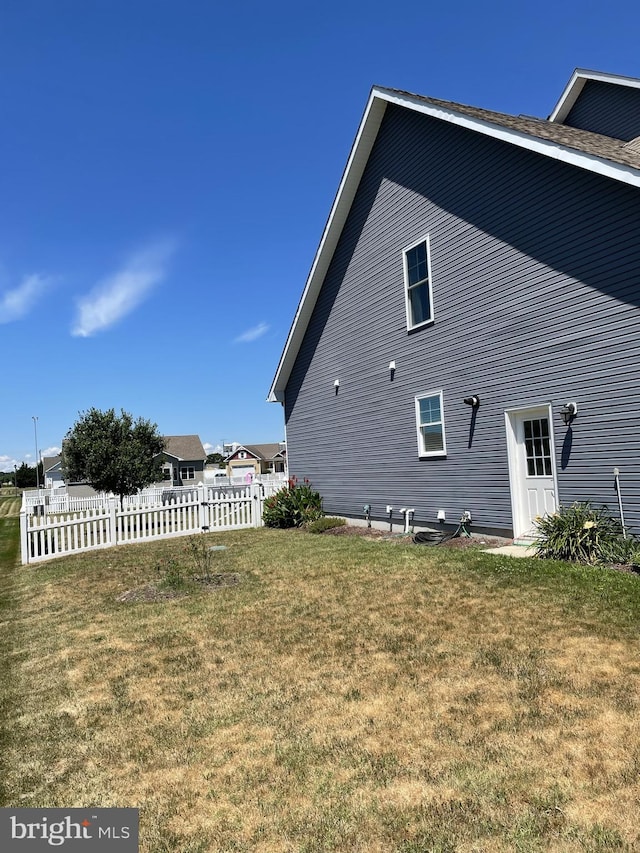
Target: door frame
column 519, row 512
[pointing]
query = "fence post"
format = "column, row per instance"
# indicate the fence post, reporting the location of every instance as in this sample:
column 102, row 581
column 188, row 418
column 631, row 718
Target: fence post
column 203, row 508
column 113, row 521
column 24, row 536
column 257, row 493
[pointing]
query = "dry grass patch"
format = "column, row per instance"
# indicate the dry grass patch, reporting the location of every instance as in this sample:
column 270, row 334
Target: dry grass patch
column 343, row 695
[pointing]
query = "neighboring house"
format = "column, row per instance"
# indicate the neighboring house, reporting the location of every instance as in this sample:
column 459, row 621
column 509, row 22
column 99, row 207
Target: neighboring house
column 251, row 460
column 475, row 257
column 52, row 471
column 183, row 459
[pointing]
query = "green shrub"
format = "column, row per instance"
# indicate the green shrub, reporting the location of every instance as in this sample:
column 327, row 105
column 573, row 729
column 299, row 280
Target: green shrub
column 583, row 534
column 295, row 504
column 326, row 523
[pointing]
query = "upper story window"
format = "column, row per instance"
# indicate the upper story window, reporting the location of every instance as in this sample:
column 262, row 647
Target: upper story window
column 430, row 424
column 417, row 284
column 242, row 455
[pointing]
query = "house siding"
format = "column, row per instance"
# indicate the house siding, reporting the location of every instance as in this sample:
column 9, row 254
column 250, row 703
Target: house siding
column 535, row 274
column 607, row 108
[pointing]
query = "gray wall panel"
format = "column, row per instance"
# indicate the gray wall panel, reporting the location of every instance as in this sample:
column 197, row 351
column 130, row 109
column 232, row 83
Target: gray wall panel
column 607, row 108
column 536, row 282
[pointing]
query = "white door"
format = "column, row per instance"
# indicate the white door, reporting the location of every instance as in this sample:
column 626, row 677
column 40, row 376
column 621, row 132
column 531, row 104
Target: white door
column 531, row 467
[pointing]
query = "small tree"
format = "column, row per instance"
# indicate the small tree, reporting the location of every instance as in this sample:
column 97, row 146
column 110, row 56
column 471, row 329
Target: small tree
column 215, row 459
column 25, row 476
column 112, row 452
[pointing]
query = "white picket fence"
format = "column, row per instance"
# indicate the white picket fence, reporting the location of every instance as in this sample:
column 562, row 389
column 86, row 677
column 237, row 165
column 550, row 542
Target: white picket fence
column 202, row 509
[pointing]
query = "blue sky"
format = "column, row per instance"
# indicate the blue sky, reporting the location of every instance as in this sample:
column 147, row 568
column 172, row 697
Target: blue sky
column 167, row 169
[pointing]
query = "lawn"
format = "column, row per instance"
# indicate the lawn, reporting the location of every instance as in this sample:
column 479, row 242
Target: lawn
column 344, row 695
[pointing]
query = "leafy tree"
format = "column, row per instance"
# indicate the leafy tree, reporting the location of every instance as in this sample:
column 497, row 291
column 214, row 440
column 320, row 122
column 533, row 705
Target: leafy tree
column 25, row 476
column 215, row 459
column 112, row 452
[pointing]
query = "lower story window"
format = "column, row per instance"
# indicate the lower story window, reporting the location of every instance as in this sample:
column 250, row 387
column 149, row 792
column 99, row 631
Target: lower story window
column 187, row 473
column 430, row 424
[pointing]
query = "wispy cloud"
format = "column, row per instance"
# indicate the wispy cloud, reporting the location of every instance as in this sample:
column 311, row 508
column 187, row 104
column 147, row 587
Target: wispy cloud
column 252, row 334
column 14, row 304
column 120, row 293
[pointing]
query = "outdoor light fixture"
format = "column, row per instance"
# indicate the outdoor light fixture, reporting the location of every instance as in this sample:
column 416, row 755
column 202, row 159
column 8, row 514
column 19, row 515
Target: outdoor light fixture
column 568, row 412
column 336, row 384
column 473, row 401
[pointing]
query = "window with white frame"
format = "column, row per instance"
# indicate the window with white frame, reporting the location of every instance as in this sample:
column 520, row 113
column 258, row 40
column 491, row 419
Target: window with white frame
column 430, row 424
column 187, row 473
column 417, row 284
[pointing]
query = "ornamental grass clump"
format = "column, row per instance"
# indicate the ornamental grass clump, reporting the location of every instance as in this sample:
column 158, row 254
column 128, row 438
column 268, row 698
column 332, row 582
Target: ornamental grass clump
column 295, row 504
column 583, row 534
column 326, row 523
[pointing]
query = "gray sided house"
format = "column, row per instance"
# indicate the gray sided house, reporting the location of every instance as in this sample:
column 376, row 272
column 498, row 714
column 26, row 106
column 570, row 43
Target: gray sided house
column 52, row 471
column 183, row 460
column 477, row 285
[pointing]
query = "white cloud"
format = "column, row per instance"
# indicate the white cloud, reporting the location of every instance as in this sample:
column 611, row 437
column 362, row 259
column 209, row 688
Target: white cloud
column 51, row 451
column 212, row 448
column 252, row 334
column 14, row 304
column 120, row 293
column 7, row 463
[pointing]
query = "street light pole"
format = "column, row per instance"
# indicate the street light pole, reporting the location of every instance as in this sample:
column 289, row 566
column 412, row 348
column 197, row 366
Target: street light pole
column 35, row 431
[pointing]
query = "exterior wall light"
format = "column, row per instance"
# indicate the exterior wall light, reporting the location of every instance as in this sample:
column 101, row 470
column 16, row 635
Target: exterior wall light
column 568, row 412
column 473, row 401
column 336, row 385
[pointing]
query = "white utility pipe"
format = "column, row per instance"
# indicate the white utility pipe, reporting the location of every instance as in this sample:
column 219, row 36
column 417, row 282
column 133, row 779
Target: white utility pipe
column 616, row 474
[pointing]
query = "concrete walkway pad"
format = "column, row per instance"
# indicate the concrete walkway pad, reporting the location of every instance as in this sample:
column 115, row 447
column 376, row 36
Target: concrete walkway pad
column 513, row 550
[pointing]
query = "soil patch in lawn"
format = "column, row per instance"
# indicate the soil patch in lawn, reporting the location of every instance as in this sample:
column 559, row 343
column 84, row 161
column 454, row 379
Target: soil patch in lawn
column 407, row 538
column 151, row 592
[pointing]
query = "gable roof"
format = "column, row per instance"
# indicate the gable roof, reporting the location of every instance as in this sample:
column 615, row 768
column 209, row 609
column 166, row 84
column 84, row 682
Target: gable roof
column 265, row 452
column 577, row 83
column 49, row 462
column 606, row 156
column 184, row 446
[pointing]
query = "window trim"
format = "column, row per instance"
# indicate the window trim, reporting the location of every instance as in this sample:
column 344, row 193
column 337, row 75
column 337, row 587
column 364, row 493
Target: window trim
column 407, row 304
column 187, row 468
column 422, row 454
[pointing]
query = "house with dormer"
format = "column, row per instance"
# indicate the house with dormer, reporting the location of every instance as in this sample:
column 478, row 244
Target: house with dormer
column 468, row 338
